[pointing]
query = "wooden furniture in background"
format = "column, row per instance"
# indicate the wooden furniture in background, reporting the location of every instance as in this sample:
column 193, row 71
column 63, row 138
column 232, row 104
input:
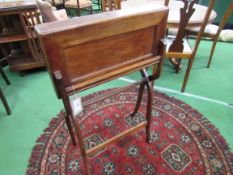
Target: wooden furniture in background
column 109, row 5
column 2, row 96
column 17, row 38
column 58, row 4
column 100, row 48
column 214, row 37
column 78, row 5
column 178, row 47
column 50, row 13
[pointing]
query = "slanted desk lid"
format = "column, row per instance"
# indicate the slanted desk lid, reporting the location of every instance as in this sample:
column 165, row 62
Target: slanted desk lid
column 57, row 26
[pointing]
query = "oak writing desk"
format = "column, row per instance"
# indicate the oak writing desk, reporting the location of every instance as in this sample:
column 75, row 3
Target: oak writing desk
column 84, row 52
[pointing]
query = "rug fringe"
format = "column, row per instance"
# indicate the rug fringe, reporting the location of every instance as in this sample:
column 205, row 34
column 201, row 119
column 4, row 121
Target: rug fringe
column 38, row 149
column 222, row 143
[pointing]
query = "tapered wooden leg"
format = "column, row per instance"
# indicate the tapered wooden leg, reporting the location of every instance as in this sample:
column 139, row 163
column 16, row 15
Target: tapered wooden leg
column 5, row 102
column 91, row 10
column 71, row 122
column 139, row 98
column 149, row 109
column 99, row 4
column 190, row 63
column 178, row 66
column 82, row 148
column 212, row 52
column 70, row 128
column 221, row 26
column 78, row 12
column 149, row 102
column 4, row 76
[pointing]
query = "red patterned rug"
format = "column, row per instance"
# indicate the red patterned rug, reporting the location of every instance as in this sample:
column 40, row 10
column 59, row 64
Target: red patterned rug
column 182, row 141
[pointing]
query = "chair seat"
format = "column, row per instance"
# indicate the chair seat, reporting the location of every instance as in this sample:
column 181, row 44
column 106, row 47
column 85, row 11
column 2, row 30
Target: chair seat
column 58, row 2
column 82, row 3
column 187, row 51
column 210, row 30
column 60, row 14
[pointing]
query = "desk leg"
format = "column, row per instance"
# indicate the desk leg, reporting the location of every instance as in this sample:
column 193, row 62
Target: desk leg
column 149, row 110
column 145, row 82
column 139, row 99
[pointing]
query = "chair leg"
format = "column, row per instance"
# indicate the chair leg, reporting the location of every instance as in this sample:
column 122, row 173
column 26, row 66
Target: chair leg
column 5, row 102
column 4, row 76
column 212, row 51
column 221, row 26
column 190, row 63
column 99, row 4
column 178, row 66
column 78, row 12
column 91, row 10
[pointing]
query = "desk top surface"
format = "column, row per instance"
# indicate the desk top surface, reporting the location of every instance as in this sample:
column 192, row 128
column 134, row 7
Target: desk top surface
column 57, row 26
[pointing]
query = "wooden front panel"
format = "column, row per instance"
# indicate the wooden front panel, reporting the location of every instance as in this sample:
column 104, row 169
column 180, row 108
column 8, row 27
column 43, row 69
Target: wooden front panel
column 95, row 58
column 90, row 47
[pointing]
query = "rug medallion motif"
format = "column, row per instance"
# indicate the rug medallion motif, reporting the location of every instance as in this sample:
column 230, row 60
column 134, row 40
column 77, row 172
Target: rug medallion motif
column 182, row 141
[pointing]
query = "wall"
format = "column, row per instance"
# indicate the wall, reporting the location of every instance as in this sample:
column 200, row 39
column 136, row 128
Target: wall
column 220, row 7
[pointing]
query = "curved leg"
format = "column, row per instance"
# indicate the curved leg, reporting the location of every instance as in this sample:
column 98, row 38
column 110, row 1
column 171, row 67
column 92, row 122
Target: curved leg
column 178, row 66
column 139, row 99
column 175, row 63
column 149, row 110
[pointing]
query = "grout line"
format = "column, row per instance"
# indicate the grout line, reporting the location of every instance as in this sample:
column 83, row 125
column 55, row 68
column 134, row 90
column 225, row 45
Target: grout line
column 183, row 94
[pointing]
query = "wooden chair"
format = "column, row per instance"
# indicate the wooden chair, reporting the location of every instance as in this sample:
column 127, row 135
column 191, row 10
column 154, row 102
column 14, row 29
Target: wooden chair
column 109, row 5
column 78, row 5
column 178, row 47
column 55, row 3
column 89, row 56
column 214, row 37
column 49, row 13
column 2, row 96
column 30, row 18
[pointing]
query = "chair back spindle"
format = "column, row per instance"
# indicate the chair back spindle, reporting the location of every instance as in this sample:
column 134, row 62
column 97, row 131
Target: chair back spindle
column 185, row 14
column 178, row 47
column 30, row 18
column 109, row 5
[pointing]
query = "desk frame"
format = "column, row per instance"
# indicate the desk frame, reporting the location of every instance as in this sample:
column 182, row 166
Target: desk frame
column 91, row 50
